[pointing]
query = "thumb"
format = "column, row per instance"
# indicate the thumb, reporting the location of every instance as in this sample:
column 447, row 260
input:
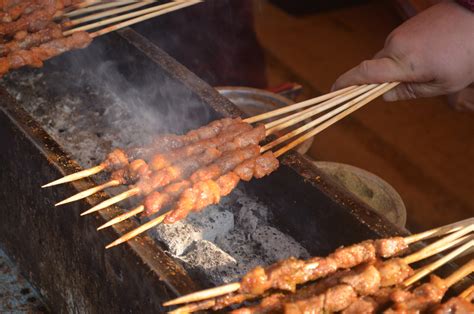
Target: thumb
column 373, row 71
column 407, row 91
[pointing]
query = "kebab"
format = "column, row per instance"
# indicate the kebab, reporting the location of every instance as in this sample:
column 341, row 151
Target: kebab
column 343, row 289
column 164, row 175
column 428, row 294
column 25, row 18
column 287, row 274
column 366, row 280
column 119, row 158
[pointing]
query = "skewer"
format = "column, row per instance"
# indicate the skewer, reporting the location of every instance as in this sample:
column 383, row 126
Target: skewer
column 215, row 292
column 137, row 231
column 211, row 293
column 142, row 18
column 89, row 192
column 100, row 15
column 320, row 120
column 439, row 231
column 161, row 8
column 300, row 105
column 295, row 118
column 112, row 201
column 123, row 217
column 78, row 175
column 428, row 249
column 89, row 6
column 335, row 119
column 431, row 267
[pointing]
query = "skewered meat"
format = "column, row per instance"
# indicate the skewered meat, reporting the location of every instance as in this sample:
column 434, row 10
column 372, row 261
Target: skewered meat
column 119, row 158
column 135, row 170
column 181, row 170
column 25, row 41
column 235, row 131
column 344, row 290
column 454, row 306
column 206, row 192
column 40, row 15
column 157, row 200
column 36, row 55
column 422, row 297
column 285, row 275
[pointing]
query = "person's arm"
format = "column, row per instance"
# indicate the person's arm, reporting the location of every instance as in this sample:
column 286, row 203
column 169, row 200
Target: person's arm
column 431, row 53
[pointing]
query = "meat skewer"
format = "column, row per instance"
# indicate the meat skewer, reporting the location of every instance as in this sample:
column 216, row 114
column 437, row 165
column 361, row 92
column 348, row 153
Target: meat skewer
column 196, row 196
column 260, row 280
column 362, row 282
column 220, row 187
column 338, row 291
column 239, row 149
column 25, row 40
column 119, row 158
column 160, row 161
column 36, row 55
column 428, row 294
column 161, row 178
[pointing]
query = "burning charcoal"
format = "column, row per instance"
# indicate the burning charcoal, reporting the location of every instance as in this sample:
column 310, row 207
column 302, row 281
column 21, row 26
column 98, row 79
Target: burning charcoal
column 278, row 245
column 210, row 262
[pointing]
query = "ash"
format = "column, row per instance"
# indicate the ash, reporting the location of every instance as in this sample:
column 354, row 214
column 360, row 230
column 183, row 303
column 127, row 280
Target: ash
column 217, row 245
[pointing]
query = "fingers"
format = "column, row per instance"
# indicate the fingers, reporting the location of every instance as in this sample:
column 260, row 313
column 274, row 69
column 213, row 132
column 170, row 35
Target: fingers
column 373, row 71
column 407, row 91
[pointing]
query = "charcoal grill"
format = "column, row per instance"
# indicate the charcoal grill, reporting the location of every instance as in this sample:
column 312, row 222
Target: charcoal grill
column 63, row 254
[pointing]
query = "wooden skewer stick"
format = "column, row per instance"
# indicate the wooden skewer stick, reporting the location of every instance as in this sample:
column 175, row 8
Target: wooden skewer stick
column 205, row 294
column 325, row 125
column 461, row 273
column 291, row 120
column 468, row 294
column 439, row 231
column 432, row 267
column 90, row 7
column 142, row 18
column 334, row 114
column 446, row 240
column 120, row 18
column 112, row 201
column 123, row 217
column 89, row 192
column 76, row 176
column 416, row 257
column 299, row 113
column 137, row 231
column 100, row 15
column 300, row 105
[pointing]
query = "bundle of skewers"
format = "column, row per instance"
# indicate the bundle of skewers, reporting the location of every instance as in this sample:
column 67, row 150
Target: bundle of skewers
column 33, row 31
column 179, row 174
column 375, row 276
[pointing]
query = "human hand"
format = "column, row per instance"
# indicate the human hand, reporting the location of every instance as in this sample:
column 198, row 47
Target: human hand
column 431, row 54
